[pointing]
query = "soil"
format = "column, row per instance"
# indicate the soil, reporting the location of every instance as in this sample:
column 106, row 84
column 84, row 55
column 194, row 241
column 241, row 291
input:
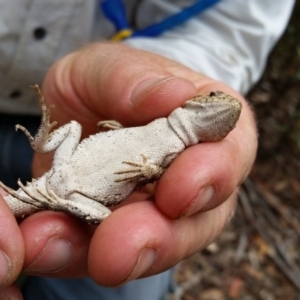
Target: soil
column 257, row 256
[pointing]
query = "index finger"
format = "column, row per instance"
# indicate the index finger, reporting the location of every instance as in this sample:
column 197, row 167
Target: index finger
column 113, row 81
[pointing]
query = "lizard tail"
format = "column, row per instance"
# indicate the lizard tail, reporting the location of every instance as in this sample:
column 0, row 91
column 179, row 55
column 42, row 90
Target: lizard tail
column 22, row 202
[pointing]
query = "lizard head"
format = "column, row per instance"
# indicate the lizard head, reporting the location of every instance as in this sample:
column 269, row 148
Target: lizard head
column 206, row 118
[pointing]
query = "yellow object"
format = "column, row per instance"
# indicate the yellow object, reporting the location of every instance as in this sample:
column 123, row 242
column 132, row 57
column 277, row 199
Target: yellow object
column 122, row 34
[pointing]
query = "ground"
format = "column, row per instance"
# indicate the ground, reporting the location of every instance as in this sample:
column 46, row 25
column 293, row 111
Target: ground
column 257, row 256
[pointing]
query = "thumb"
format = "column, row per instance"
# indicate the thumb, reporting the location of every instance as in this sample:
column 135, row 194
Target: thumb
column 114, row 81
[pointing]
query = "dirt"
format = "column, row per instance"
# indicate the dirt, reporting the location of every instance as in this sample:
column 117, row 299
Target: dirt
column 257, row 256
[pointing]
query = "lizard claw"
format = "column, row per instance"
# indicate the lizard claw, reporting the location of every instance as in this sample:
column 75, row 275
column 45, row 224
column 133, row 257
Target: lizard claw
column 141, row 172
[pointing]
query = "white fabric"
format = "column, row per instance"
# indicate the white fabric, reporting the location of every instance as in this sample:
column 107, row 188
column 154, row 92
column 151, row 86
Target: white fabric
column 229, row 42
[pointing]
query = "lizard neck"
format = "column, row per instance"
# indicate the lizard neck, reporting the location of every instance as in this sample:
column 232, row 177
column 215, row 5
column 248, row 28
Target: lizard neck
column 184, row 126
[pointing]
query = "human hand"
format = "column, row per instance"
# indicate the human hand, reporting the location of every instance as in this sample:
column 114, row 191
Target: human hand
column 194, row 199
column 11, row 251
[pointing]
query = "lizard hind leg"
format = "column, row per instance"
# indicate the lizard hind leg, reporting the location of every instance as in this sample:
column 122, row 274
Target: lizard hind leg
column 37, row 142
column 28, row 198
column 81, row 206
column 64, row 139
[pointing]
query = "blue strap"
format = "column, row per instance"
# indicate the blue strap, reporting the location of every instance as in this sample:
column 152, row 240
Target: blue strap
column 114, row 10
column 177, row 19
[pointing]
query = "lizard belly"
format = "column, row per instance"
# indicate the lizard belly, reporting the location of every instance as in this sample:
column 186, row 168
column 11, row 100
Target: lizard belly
column 92, row 173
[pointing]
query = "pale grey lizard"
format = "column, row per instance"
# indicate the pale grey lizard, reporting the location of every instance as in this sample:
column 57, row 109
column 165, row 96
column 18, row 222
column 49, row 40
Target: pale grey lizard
column 105, row 168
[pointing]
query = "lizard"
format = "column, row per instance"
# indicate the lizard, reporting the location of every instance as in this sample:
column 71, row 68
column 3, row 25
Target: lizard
column 102, row 170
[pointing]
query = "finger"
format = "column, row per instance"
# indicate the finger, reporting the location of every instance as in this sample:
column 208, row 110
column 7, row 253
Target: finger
column 11, row 245
column 117, row 82
column 137, row 241
column 41, row 163
column 204, row 176
column 56, row 245
column 11, row 293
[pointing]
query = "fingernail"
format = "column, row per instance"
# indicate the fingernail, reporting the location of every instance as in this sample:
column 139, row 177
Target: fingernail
column 54, row 257
column 203, row 198
column 5, row 268
column 145, row 86
column 144, row 263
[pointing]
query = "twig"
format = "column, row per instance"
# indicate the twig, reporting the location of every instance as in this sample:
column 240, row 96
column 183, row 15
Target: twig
column 276, row 253
column 282, row 210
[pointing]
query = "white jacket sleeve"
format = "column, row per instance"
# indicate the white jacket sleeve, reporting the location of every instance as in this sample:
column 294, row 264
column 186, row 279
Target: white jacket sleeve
column 229, row 42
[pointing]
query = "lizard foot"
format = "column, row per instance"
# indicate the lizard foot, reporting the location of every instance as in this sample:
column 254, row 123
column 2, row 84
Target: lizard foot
column 142, row 172
column 31, row 199
column 109, row 124
column 81, row 206
column 42, row 134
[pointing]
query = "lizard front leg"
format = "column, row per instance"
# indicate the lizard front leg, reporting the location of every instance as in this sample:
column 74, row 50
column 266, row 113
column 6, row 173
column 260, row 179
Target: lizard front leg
column 109, row 124
column 141, row 172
